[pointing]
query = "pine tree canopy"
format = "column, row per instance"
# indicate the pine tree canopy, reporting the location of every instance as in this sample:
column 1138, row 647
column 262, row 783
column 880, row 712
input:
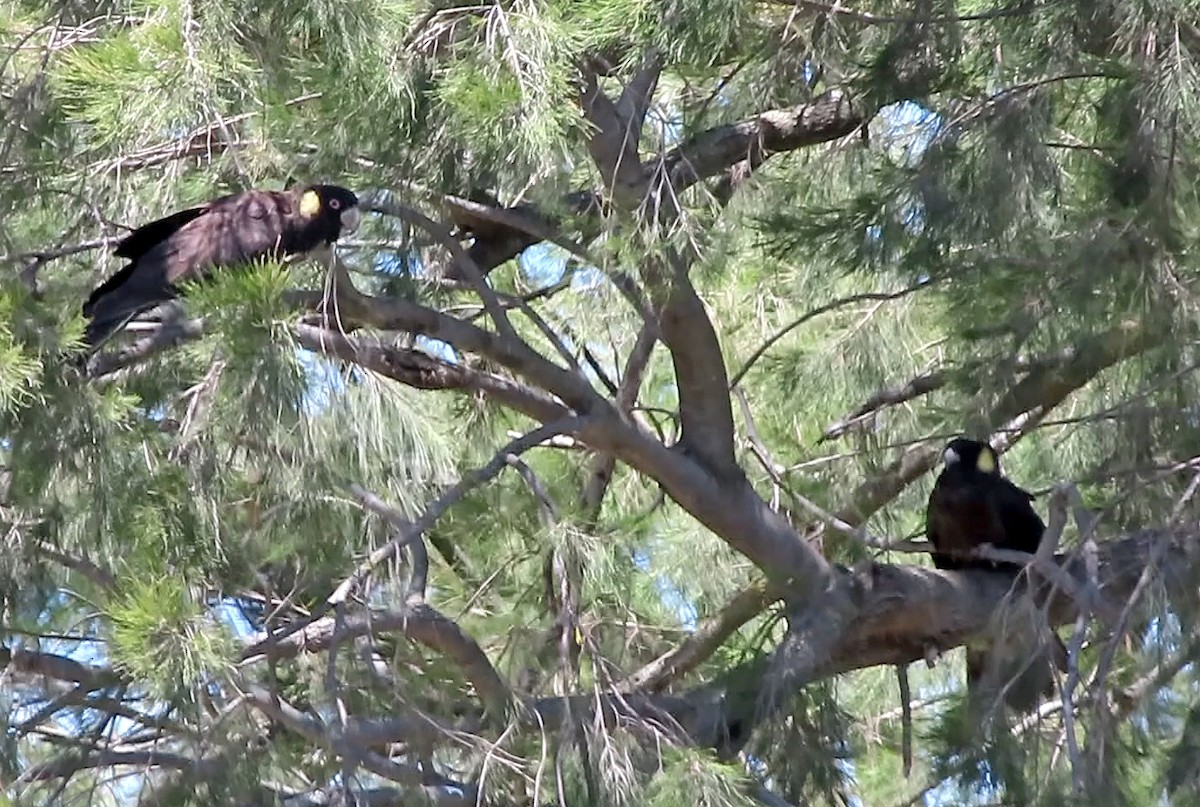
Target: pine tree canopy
column 592, row 469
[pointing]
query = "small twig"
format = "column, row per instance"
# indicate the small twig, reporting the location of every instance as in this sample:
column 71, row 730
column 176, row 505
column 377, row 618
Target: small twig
column 867, row 18
column 1068, row 706
column 409, row 531
column 827, row 519
column 603, row 464
column 333, row 691
column 199, row 407
column 546, row 508
column 1047, row 568
column 1109, row 652
column 816, row 312
column 889, row 396
column 65, row 251
column 1056, row 523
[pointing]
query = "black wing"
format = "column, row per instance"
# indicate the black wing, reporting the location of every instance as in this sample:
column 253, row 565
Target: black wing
column 146, row 237
column 1023, row 527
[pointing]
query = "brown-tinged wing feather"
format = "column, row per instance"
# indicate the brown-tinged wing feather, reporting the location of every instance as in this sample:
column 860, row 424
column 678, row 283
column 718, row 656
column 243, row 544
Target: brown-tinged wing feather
column 240, row 229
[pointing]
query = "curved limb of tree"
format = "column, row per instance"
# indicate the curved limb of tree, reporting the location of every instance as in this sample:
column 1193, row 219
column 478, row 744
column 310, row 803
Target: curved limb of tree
column 893, row 614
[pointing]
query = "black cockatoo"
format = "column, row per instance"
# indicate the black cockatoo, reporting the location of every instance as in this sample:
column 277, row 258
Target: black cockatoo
column 971, row 505
column 232, row 230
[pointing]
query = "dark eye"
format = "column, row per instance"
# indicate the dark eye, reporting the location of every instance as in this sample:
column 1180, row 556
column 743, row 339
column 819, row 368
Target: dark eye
column 334, row 204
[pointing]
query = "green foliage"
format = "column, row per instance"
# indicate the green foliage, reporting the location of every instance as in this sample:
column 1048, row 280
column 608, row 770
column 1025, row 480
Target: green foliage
column 1019, row 195
column 118, row 86
column 19, row 370
column 689, row 778
column 162, row 637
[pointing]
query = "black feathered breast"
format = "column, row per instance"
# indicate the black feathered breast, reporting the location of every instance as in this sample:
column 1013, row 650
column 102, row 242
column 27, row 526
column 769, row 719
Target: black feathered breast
column 969, row 508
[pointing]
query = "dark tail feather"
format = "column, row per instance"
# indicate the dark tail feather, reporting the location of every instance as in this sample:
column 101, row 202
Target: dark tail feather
column 109, row 312
column 1028, row 679
column 978, row 662
column 100, row 330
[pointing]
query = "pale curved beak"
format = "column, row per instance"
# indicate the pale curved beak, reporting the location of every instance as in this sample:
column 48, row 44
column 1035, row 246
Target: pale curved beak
column 350, row 220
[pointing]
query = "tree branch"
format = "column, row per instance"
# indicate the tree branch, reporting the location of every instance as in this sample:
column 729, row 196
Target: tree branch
column 923, row 384
column 100, row 577
column 709, row 635
column 464, row 261
column 716, row 151
column 609, row 142
column 733, row 511
column 602, row 466
column 70, row 764
column 422, row 371
column 391, row 314
column 412, row 531
column 59, row 668
column 833, row 305
column 705, row 412
column 828, row 117
column 634, row 101
column 419, row 623
column 894, row 613
column 1047, row 383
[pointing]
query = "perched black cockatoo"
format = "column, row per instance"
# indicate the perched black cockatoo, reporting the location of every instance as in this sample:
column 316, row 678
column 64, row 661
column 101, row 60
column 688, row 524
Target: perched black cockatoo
column 234, row 229
column 971, row 505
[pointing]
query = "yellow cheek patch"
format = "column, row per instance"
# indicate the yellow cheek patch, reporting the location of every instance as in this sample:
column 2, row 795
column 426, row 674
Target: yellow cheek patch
column 310, row 204
column 986, row 462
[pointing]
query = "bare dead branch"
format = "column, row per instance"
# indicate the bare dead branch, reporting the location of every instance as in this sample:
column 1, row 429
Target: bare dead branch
column 65, row 251
column 547, row 511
